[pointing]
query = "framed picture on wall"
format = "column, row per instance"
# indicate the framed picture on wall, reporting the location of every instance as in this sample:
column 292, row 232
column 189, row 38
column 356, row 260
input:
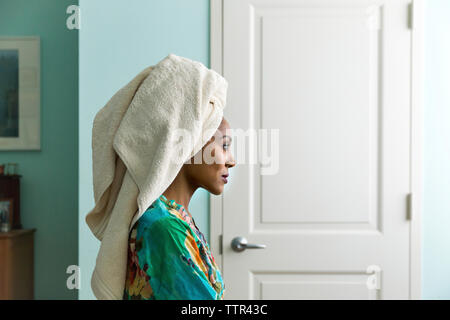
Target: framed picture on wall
column 6, row 214
column 20, row 109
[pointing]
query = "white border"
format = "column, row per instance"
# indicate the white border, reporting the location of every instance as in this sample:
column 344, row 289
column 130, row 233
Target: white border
column 417, row 65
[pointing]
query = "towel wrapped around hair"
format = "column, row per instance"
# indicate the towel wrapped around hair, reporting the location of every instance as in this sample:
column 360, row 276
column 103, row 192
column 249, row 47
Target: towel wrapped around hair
column 134, row 143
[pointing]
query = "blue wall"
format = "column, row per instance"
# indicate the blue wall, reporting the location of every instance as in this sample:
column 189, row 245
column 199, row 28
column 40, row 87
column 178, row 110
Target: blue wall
column 118, row 39
column 436, row 217
column 49, row 183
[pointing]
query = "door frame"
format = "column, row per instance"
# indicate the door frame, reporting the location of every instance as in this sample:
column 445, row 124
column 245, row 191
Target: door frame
column 416, row 136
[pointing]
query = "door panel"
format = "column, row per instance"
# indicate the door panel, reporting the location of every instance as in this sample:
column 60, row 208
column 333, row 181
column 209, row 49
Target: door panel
column 334, row 78
column 305, row 286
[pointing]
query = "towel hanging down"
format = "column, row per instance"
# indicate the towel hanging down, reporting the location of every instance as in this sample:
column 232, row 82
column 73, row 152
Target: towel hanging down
column 133, row 151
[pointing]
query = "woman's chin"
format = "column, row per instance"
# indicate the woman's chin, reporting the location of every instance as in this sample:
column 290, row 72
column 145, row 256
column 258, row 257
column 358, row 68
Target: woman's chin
column 217, row 190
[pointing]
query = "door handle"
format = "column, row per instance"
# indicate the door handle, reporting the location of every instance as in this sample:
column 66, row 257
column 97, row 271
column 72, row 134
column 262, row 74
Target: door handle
column 239, row 244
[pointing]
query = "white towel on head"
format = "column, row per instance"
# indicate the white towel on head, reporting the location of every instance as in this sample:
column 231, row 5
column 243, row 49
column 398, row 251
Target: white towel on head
column 133, row 151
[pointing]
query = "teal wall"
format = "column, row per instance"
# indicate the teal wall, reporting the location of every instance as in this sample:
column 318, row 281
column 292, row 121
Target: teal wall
column 436, row 218
column 118, row 39
column 49, row 186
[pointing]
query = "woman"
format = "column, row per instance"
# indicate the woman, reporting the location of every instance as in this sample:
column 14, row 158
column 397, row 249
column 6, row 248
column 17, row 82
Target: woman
column 168, row 256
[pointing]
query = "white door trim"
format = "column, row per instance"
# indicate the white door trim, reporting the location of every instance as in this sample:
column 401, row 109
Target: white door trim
column 417, row 64
column 216, row 61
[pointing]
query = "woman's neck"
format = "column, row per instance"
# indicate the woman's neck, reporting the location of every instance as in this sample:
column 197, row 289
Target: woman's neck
column 180, row 190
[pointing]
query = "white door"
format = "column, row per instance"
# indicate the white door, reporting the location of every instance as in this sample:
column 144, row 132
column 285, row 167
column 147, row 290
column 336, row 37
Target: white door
column 334, row 77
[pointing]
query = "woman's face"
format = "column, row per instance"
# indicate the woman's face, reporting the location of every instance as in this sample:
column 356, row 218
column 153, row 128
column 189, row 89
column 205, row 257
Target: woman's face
column 216, row 161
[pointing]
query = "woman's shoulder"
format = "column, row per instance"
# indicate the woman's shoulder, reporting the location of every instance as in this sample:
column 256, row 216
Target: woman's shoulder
column 158, row 215
column 161, row 228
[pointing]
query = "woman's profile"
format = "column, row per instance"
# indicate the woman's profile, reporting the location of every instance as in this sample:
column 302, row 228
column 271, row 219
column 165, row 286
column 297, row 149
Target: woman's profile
column 151, row 247
column 168, row 256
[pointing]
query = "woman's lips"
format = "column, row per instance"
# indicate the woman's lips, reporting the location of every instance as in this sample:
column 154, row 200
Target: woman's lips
column 224, row 179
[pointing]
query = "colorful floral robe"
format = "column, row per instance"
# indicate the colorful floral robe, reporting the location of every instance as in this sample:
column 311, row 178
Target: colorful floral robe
column 169, row 258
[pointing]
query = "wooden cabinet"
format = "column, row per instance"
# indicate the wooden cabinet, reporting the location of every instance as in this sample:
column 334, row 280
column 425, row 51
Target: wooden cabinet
column 17, row 264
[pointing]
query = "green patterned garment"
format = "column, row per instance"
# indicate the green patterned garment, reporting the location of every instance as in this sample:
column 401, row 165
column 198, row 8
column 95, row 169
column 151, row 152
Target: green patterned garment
column 169, row 258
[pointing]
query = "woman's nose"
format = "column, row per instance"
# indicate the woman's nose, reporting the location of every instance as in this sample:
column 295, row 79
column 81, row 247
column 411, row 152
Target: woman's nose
column 230, row 163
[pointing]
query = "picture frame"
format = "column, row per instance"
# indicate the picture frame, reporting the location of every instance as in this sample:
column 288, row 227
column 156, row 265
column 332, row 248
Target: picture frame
column 7, row 213
column 20, row 109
